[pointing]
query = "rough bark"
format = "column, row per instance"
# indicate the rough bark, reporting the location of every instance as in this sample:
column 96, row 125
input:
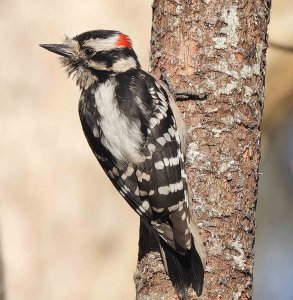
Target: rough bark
column 217, row 48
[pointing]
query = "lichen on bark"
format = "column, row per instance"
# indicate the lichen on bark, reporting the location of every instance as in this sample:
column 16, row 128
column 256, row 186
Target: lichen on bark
column 217, row 48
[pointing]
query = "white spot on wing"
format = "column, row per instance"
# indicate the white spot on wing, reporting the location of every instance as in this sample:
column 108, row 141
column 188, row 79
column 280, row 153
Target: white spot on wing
column 138, row 175
column 158, row 210
column 161, row 96
column 180, row 185
column 157, row 84
column 174, row 161
column 153, row 122
column 166, row 161
column 167, row 137
column 171, row 131
column 142, row 176
column 159, row 165
column 151, row 147
column 160, row 116
column 183, row 175
column 152, row 90
column 145, row 205
column 172, row 187
column 164, row 190
column 143, row 193
column 127, row 173
column 146, row 176
column 173, row 207
column 161, row 141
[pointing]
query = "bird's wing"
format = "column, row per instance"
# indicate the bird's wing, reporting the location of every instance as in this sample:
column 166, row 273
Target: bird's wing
column 166, row 187
column 157, row 186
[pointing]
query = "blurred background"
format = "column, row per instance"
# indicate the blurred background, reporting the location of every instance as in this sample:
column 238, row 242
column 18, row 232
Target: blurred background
column 65, row 232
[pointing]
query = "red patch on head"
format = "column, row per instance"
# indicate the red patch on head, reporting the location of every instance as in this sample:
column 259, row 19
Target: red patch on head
column 123, row 41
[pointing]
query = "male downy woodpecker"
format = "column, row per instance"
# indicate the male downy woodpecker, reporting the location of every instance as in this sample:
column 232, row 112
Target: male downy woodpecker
column 137, row 133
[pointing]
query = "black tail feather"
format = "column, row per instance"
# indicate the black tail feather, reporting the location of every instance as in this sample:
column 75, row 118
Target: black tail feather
column 184, row 270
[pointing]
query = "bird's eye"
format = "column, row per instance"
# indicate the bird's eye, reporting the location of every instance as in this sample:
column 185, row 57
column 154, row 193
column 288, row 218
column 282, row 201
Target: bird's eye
column 89, row 52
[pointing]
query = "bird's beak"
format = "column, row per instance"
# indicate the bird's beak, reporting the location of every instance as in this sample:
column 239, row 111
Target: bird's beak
column 60, row 49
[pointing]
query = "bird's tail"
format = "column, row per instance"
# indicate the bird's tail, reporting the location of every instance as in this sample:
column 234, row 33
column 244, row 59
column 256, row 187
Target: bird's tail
column 184, row 270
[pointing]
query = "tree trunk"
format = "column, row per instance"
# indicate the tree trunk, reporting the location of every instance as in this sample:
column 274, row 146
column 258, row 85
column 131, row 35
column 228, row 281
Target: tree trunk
column 217, row 48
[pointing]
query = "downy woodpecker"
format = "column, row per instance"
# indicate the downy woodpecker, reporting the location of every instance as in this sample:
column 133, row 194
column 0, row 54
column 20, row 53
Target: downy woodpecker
column 137, row 133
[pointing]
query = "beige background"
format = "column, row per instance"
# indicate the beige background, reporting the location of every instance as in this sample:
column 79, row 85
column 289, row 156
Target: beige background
column 66, row 233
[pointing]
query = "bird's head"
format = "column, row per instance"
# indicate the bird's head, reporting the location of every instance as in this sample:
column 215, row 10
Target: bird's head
column 92, row 55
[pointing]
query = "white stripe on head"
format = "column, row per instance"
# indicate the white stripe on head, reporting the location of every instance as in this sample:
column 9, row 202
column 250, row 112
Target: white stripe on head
column 100, row 66
column 123, row 65
column 102, row 44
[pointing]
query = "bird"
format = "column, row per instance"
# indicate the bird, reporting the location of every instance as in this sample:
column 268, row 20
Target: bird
column 137, row 133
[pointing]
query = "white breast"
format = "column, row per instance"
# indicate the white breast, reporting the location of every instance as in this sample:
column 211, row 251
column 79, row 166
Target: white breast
column 120, row 136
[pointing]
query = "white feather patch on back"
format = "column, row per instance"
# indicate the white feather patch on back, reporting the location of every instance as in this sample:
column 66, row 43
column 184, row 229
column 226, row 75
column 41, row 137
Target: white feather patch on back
column 121, row 136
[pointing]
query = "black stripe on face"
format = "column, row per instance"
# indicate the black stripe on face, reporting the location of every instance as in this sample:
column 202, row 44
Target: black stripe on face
column 101, row 75
column 112, row 56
